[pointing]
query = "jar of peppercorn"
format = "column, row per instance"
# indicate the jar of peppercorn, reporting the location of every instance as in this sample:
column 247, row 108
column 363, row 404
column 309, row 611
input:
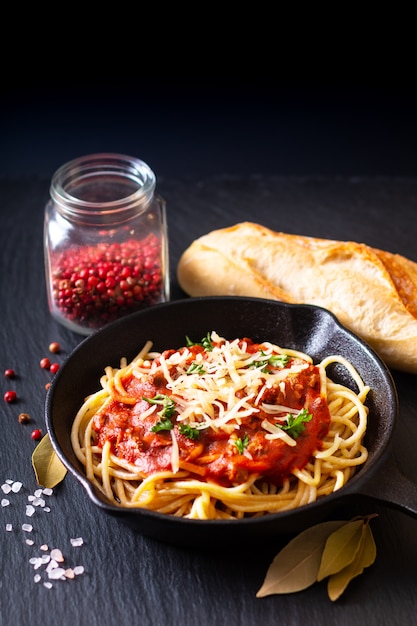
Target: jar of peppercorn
column 105, row 238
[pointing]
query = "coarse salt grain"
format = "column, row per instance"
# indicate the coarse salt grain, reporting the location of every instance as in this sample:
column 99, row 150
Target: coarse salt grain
column 36, row 562
column 30, row 510
column 50, row 561
column 51, row 565
column 57, row 555
column 77, row 541
column 56, row 573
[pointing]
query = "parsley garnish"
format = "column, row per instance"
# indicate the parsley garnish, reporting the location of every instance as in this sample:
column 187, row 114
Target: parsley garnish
column 189, row 431
column 164, row 424
column 276, row 360
column 279, row 360
column 296, row 424
column 241, row 444
column 195, row 368
column 205, row 342
column 167, row 403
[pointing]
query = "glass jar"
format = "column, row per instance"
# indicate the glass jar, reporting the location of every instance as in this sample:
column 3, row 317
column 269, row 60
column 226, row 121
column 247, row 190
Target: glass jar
column 105, row 241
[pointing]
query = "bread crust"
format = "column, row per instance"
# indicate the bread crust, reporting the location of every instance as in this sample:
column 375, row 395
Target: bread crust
column 371, row 291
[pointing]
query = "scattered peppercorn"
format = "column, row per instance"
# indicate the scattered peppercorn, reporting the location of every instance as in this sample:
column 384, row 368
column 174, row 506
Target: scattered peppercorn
column 54, row 347
column 24, row 418
column 10, row 396
column 36, row 434
column 47, row 386
column 54, row 368
column 45, row 363
column 9, row 373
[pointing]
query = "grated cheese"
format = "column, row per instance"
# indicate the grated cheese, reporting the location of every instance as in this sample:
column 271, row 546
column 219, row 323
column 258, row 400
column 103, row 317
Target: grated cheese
column 275, row 432
column 229, row 388
column 175, row 454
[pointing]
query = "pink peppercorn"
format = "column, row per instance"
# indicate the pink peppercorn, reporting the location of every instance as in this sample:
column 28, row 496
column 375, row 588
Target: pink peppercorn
column 54, row 368
column 97, row 284
column 10, row 396
column 36, row 434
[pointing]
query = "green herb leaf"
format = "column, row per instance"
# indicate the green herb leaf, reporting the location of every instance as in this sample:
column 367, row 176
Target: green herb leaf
column 163, row 424
column 49, row 470
column 340, row 548
column 241, row 444
column 260, row 364
column 195, row 368
column 364, row 557
column 205, row 342
column 189, row 431
column 279, row 360
column 296, row 424
column 296, row 566
column 167, row 403
column 276, row 360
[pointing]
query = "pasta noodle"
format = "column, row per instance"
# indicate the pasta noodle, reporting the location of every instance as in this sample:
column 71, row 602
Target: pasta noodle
column 221, row 429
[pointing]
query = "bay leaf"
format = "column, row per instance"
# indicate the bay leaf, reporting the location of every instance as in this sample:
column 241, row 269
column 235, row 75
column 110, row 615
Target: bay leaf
column 49, row 470
column 365, row 556
column 296, row 566
column 340, row 548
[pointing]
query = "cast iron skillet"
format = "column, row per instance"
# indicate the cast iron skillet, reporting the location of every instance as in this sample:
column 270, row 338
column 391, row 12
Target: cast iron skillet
column 308, row 328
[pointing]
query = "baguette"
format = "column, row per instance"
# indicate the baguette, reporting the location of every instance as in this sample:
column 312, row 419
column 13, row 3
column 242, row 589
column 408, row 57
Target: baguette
column 372, row 292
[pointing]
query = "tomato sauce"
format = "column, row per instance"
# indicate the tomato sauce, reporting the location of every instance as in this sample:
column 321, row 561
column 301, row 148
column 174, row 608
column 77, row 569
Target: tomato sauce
column 214, row 455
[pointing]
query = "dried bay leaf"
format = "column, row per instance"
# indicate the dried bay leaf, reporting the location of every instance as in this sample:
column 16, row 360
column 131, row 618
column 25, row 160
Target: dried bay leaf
column 49, row 470
column 296, row 566
column 340, row 548
column 364, row 557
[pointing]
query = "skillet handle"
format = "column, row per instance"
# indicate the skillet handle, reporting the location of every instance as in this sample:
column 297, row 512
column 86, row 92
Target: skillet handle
column 390, row 486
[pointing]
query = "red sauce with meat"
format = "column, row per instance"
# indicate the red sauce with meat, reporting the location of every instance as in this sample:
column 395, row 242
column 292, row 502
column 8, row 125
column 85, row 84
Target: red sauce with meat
column 214, row 456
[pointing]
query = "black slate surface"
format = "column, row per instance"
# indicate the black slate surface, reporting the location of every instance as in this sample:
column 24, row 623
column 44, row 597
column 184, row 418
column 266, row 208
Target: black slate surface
column 130, row 579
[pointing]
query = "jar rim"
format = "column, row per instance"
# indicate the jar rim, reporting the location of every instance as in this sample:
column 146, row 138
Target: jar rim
column 90, row 168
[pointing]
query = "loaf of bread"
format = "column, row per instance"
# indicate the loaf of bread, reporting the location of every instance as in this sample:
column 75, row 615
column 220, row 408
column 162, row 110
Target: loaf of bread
column 371, row 291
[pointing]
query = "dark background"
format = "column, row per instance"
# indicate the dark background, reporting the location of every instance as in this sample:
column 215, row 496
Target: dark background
column 196, row 125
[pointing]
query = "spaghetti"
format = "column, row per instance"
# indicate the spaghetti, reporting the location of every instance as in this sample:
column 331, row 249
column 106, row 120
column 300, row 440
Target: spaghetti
column 221, row 429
